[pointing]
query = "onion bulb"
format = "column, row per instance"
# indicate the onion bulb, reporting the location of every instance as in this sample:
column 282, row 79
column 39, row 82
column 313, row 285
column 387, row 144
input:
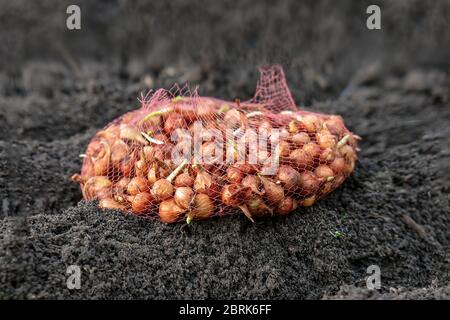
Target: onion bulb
column 203, row 181
column 202, row 207
column 253, row 182
column 153, row 174
column 234, row 195
column 284, row 148
column 324, row 171
column 335, row 125
column 300, row 139
column 308, row 183
column 162, row 189
column 327, row 155
column 141, row 202
column 257, row 207
column 184, row 180
column 234, row 175
column 97, row 187
column 137, row 185
column 119, row 151
column 309, row 201
column 311, row 123
column 301, row 158
column 338, row 165
column 287, row 206
column 173, row 122
column 313, row 149
column 183, row 197
column 274, row 193
column 289, row 177
column 325, row 139
column 169, row 211
column 109, row 203
column 122, row 185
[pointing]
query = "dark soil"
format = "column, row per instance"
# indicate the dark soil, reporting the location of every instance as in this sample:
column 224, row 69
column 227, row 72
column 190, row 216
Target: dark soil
column 392, row 88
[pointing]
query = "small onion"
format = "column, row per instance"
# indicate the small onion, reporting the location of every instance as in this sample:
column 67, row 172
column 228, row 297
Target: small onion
column 327, row 155
column 132, row 133
column 141, row 168
column 203, row 181
column 309, row 201
column 109, row 203
column 183, row 197
column 173, row 122
column 300, row 139
column 294, row 126
column 234, row 119
column 324, row 171
column 347, row 152
column 335, row 125
column 289, row 177
column 245, row 168
column 284, row 148
column 101, row 162
column 257, row 207
column 301, row 158
column 137, row 185
column 338, row 165
column 349, row 166
column 153, row 174
column 234, row 195
column 97, row 187
column 122, row 185
column 169, row 211
column 312, row 149
column 325, row 139
column 119, row 151
column 184, row 180
column 203, row 207
column 311, row 123
column 253, row 182
column 126, row 166
column 234, row 175
column 308, row 183
column 162, row 189
column 273, row 192
column 141, row 202
column 88, row 169
column 287, row 206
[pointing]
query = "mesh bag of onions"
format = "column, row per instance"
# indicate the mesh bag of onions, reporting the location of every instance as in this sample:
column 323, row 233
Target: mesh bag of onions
column 182, row 157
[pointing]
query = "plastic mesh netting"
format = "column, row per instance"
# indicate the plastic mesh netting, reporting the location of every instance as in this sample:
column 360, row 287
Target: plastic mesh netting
column 185, row 157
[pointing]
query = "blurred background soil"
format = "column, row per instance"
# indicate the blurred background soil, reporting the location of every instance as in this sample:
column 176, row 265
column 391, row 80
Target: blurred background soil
column 58, row 87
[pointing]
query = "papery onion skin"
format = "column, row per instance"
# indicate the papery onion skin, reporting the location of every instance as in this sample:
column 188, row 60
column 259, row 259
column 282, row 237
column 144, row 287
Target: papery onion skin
column 274, row 193
column 308, row 183
column 184, row 180
column 287, row 206
column 162, row 189
column 203, row 207
column 183, row 197
column 141, row 202
column 169, row 211
column 109, row 203
column 289, row 177
column 137, row 185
